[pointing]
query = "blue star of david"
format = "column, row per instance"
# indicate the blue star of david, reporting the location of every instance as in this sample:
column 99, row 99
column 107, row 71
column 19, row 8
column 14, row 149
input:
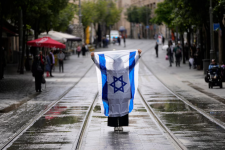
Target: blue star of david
column 113, row 84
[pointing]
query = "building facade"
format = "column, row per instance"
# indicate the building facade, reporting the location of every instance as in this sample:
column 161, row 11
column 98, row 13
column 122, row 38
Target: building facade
column 153, row 29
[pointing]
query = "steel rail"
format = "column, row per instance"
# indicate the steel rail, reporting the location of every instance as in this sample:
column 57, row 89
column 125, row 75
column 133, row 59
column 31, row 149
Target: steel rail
column 32, row 121
column 84, row 125
column 171, row 135
column 180, row 97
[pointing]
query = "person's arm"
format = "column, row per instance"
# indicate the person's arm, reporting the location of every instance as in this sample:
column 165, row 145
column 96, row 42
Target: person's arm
column 94, row 60
column 136, row 59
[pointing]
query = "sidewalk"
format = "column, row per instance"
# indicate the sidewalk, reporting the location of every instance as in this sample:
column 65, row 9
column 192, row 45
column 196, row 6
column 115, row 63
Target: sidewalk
column 187, row 83
column 19, row 112
column 14, row 87
column 186, row 75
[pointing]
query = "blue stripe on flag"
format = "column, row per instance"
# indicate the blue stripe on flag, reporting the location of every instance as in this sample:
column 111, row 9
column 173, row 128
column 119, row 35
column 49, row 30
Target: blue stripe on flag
column 131, row 78
column 102, row 64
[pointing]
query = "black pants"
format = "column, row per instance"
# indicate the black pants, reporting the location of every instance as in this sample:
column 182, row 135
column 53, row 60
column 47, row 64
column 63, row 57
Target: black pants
column 38, row 79
column 60, row 65
column 156, row 51
column 170, row 59
column 51, row 69
column 178, row 60
column 78, row 53
column 118, row 121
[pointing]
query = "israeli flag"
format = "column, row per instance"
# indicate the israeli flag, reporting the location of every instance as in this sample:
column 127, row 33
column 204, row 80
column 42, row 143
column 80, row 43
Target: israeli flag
column 117, row 73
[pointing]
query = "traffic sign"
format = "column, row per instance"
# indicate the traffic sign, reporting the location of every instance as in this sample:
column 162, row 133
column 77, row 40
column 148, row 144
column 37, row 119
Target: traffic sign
column 216, row 26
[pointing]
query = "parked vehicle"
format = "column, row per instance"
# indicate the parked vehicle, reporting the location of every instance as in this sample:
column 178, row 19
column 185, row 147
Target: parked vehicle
column 114, row 34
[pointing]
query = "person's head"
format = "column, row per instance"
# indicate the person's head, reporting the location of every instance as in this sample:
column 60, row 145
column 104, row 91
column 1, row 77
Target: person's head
column 60, row 51
column 213, row 61
column 118, row 64
column 40, row 52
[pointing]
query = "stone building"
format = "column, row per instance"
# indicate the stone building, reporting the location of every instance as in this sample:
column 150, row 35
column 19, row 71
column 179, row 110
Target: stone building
column 153, row 28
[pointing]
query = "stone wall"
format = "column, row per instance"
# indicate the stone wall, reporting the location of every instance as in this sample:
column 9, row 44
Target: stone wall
column 78, row 31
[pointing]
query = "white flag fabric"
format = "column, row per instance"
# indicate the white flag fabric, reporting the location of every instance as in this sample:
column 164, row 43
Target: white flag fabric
column 117, row 73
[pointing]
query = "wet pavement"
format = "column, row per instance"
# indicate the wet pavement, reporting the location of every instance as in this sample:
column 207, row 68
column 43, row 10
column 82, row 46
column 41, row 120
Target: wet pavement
column 189, row 126
column 141, row 134
column 19, row 113
column 60, row 126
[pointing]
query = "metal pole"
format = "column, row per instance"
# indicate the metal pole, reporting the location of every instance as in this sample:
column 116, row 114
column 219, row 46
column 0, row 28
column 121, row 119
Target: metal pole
column 212, row 52
column 147, row 28
column 80, row 19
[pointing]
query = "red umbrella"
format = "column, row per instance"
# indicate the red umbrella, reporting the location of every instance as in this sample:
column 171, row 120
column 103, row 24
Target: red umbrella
column 46, row 42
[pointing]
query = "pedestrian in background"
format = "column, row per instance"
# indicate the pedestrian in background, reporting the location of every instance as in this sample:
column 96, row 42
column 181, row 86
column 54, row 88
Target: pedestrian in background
column 186, row 51
column 52, row 58
column 37, row 72
column 87, row 49
column 61, row 57
column 170, row 53
column 163, row 40
column 83, row 50
column 197, row 58
column 78, row 50
column 191, row 62
column 118, row 39
column 48, row 64
column 124, row 40
column 178, row 54
column 42, row 60
column 156, row 49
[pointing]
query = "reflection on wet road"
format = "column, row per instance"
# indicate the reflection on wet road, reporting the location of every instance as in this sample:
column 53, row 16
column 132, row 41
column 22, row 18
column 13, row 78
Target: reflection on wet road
column 193, row 129
column 141, row 134
column 59, row 128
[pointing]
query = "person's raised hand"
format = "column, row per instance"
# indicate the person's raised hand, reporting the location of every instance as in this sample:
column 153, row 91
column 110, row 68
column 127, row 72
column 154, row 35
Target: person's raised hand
column 92, row 54
column 139, row 51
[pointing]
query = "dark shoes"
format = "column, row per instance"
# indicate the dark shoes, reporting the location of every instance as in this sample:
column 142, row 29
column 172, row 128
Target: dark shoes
column 51, row 76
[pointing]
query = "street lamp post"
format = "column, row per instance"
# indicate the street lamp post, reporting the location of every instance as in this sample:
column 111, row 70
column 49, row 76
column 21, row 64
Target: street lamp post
column 212, row 52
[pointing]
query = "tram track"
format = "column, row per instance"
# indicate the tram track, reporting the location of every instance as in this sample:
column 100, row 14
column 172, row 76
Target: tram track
column 159, row 122
column 33, row 120
column 180, row 97
column 77, row 145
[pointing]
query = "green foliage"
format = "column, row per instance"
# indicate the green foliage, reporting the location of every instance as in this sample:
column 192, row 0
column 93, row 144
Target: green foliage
column 138, row 14
column 100, row 11
column 88, row 12
column 113, row 14
column 163, row 14
column 65, row 16
column 131, row 14
column 41, row 15
column 182, row 13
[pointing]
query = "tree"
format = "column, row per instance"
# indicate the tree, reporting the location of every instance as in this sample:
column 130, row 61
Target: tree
column 89, row 12
column 101, row 12
column 136, row 14
column 65, row 16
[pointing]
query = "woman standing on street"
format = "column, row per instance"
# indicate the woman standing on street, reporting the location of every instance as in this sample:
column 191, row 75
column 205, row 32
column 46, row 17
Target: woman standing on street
column 78, row 50
column 37, row 73
column 83, row 50
column 115, row 119
column 48, row 64
column 156, row 49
